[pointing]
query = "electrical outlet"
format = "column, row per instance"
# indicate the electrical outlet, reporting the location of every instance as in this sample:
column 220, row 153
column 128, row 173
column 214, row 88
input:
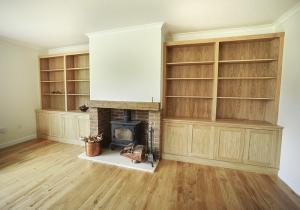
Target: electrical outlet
column 2, row 130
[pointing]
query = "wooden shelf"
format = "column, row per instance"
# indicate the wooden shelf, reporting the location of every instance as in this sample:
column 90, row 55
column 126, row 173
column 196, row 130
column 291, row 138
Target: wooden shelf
column 188, row 78
column 49, row 81
column 53, row 94
column 78, row 68
column 78, row 80
column 185, row 119
column 191, row 63
column 52, row 70
column 245, row 98
column 222, row 121
column 78, row 111
column 78, row 94
column 198, row 97
column 245, row 122
column 241, row 78
column 248, row 61
column 53, row 109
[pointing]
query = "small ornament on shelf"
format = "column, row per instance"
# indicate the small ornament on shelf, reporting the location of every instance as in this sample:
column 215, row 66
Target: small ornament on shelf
column 56, row 92
column 83, row 108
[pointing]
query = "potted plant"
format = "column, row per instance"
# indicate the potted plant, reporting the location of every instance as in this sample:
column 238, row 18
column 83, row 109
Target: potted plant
column 92, row 145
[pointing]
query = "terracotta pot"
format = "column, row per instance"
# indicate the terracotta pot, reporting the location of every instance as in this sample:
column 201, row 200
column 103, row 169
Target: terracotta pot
column 92, row 149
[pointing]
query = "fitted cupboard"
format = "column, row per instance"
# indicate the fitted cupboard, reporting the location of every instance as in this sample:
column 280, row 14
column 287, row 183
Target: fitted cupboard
column 64, row 87
column 221, row 99
column 234, row 145
column 65, row 127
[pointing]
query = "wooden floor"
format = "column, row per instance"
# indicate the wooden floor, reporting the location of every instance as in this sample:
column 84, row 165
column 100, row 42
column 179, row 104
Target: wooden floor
column 48, row 175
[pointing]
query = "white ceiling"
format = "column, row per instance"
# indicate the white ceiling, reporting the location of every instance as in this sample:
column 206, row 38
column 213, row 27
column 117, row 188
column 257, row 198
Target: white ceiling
column 57, row 23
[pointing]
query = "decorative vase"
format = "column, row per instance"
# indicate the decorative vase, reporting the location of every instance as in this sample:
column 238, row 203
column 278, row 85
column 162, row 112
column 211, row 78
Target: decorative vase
column 92, row 149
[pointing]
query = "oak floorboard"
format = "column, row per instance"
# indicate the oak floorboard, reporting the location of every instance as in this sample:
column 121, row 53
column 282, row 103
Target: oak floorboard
column 43, row 174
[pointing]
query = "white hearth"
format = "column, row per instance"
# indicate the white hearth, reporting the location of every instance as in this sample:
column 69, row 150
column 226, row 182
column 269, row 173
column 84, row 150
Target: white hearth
column 114, row 158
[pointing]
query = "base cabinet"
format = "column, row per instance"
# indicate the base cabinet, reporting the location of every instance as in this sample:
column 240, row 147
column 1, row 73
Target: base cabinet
column 230, row 144
column 202, row 142
column 55, row 124
column 261, row 147
column 176, row 138
column 246, row 147
column 70, row 127
column 65, row 127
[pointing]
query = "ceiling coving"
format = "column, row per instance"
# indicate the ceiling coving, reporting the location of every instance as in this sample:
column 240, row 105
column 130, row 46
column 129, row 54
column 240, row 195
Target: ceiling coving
column 56, row 23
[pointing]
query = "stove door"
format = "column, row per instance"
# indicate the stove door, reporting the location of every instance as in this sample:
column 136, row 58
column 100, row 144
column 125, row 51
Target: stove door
column 123, row 133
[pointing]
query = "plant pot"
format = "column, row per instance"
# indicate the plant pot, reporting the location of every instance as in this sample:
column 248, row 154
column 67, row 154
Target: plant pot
column 92, row 149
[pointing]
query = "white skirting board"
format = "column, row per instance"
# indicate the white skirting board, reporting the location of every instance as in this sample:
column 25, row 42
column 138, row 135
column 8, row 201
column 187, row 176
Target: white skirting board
column 17, row 141
column 114, row 158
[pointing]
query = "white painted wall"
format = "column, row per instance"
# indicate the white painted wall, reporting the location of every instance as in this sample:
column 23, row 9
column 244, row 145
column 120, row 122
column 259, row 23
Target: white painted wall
column 19, row 92
column 289, row 113
column 125, row 64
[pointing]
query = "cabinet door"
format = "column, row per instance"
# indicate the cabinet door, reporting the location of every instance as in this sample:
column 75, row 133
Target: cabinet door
column 43, row 124
column 202, row 142
column 56, row 125
column 70, row 127
column 83, row 126
column 230, row 144
column 176, row 137
column 261, row 147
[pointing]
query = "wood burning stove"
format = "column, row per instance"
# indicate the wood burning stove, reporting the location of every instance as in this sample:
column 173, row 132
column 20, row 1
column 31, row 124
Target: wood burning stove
column 124, row 132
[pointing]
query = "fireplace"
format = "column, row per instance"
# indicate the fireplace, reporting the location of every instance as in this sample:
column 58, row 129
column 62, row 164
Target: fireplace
column 124, row 132
column 101, row 118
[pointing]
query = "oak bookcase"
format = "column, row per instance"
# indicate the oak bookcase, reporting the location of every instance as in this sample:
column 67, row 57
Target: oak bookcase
column 220, row 103
column 224, row 79
column 64, row 81
column 189, row 81
column 52, row 82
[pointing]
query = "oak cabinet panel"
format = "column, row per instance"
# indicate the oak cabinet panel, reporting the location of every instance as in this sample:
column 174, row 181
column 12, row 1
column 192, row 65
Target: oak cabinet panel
column 55, row 121
column 43, row 124
column 230, row 144
column 202, row 142
column 83, row 126
column 176, row 138
column 70, row 127
column 261, row 147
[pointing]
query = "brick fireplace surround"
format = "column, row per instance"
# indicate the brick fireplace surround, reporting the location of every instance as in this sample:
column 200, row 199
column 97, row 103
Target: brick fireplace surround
column 100, row 121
